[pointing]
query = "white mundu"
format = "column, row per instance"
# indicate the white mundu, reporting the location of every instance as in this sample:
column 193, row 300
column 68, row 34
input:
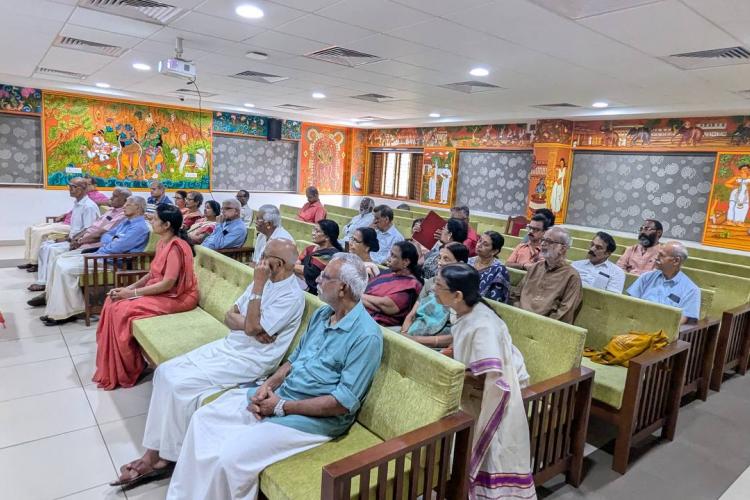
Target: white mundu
column 84, row 213
column 182, row 383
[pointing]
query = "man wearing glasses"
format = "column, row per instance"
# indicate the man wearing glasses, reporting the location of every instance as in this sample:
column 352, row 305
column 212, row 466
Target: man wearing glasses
column 246, row 213
column 551, row 287
column 262, row 324
column 230, row 231
column 529, row 253
column 641, row 257
column 268, row 226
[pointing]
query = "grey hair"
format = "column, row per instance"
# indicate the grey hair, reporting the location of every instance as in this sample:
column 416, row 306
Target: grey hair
column 565, row 236
column 139, row 201
column 269, row 213
column 232, row 202
column 125, row 191
column 158, row 184
column 679, row 250
column 352, row 273
column 369, row 204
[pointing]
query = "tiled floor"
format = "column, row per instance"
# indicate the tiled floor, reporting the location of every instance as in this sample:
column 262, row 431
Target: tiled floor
column 61, row 437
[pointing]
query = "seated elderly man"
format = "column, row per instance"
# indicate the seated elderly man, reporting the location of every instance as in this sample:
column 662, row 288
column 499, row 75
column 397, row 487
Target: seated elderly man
column 158, row 197
column 81, row 240
column 64, row 298
column 246, row 213
column 262, row 325
column 313, row 210
column 312, row 398
column 386, row 231
column 641, row 258
column 528, row 253
column 597, row 271
column 668, row 285
column 268, row 227
column 85, row 211
column 230, row 230
column 551, row 287
column 364, row 218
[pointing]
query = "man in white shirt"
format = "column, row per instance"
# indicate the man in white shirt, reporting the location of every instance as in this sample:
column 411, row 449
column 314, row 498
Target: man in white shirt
column 597, row 271
column 387, row 233
column 262, row 325
column 268, row 227
column 364, row 218
column 246, row 213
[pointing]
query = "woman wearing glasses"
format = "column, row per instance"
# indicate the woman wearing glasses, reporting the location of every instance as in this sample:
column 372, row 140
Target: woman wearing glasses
column 315, row 258
column 363, row 241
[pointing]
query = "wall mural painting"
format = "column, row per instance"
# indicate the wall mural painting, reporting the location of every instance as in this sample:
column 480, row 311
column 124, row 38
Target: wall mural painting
column 711, row 134
column 438, row 176
column 549, row 181
column 322, row 159
column 20, row 99
column 239, row 124
column 727, row 223
column 556, row 131
column 358, row 161
column 507, row 136
column 291, row 130
column 125, row 144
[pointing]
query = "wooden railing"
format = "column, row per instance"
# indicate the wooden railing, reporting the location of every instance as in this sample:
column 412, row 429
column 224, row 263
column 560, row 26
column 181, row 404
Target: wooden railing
column 702, row 337
column 733, row 347
column 243, row 254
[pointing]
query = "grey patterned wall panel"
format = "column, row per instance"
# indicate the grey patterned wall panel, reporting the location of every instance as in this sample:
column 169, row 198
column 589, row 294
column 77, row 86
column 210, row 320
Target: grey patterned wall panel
column 495, row 182
column 254, row 164
column 618, row 191
column 20, row 150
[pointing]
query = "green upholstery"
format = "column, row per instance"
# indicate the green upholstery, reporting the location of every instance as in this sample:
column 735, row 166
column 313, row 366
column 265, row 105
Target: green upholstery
column 151, row 244
column 609, row 382
column 250, row 238
column 298, row 229
column 406, row 214
column 87, row 279
column 302, row 244
column 341, row 220
column 707, row 301
column 403, row 225
column 288, row 211
column 348, row 212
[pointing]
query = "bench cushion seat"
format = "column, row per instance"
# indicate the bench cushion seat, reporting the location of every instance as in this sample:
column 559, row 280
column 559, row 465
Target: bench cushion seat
column 609, row 382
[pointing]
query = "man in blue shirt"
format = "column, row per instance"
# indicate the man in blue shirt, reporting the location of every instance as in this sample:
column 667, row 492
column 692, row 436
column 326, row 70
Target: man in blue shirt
column 668, row 285
column 64, row 299
column 230, row 232
column 158, row 197
column 312, row 398
column 387, row 233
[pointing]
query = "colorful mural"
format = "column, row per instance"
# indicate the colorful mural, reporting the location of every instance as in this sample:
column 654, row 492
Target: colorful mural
column 125, row 144
column 549, row 180
column 684, row 134
column 726, row 221
column 20, row 99
column 556, row 131
column 323, row 152
column 438, row 177
column 291, row 130
column 357, row 161
column 239, row 124
column 508, row 136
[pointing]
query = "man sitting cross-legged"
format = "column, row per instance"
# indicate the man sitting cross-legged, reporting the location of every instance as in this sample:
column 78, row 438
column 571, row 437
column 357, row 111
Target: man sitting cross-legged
column 312, row 398
column 263, row 322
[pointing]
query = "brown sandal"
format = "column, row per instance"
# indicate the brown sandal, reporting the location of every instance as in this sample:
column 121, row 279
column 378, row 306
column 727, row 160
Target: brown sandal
column 142, row 477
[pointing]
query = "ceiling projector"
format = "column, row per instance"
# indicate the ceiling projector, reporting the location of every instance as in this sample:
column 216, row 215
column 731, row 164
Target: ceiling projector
column 177, row 66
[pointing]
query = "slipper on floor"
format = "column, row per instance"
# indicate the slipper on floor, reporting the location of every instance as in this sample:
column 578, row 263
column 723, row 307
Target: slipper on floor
column 36, row 287
column 152, row 475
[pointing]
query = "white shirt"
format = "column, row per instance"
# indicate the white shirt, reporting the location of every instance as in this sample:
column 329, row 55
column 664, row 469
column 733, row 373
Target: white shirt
column 359, row 220
column 605, row 276
column 386, row 239
column 246, row 214
column 84, row 213
column 260, row 241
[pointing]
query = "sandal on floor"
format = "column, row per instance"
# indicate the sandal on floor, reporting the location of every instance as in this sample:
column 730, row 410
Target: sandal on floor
column 36, row 287
column 146, row 477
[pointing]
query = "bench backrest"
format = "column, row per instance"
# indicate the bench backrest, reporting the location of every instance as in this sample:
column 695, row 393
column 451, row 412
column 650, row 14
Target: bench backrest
column 288, row 211
column 298, row 229
column 338, row 210
column 221, row 281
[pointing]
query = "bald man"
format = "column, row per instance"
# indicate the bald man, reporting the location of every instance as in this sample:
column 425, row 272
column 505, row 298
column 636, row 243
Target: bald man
column 262, row 325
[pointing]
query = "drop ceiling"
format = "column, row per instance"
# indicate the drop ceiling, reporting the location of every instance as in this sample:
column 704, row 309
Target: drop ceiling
column 537, row 52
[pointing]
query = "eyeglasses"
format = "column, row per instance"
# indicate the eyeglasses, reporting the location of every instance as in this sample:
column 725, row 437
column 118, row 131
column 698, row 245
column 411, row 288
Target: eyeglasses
column 179, row 198
column 224, row 209
column 534, row 229
column 647, row 228
column 355, row 240
column 547, row 241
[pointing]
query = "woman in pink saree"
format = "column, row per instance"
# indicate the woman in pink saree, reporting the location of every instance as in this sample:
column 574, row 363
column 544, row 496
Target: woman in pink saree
column 169, row 287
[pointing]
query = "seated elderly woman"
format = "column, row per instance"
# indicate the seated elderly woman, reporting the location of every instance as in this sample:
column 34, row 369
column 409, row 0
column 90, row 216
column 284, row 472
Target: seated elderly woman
column 179, row 200
column 363, row 241
column 192, row 213
column 492, row 394
column 428, row 323
column 494, row 280
column 390, row 296
column 169, row 287
column 315, row 258
column 205, row 226
column 454, row 230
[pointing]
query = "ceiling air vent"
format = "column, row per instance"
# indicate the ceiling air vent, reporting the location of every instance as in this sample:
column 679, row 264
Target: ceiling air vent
column 193, row 92
column 294, row 107
column 343, row 57
column 148, row 11
column 471, row 87
column 374, row 97
column 556, row 105
column 68, row 42
column 256, row 76
column 709, row 58
column 59, row 73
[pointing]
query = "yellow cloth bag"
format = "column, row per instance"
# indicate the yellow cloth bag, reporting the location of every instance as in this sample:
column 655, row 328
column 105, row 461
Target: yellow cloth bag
column 621, row 348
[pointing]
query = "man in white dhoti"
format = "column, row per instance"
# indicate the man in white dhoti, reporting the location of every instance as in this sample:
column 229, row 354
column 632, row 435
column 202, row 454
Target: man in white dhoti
column 268, row 227
column 84, row 212
column 87, row 237
column 312, row 398
column 445, row 184
column 263, row 323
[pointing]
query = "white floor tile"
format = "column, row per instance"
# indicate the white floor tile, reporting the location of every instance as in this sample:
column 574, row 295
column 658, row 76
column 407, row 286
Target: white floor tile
column 55, row 467
column 110, row 406
column 740, row 489
column 23, row 322
column 44, row 415
column 152, row 491
column 77, row 326
column 29, row 350
column 85, row 365
column 37, row 378
column 123, row 439
column 81, row 341
column 101, row 492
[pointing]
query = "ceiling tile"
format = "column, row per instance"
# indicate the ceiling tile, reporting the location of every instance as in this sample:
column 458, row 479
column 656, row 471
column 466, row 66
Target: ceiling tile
column 22, row 63
column 74, row 60
column 109, row 22
column 38, row 9
column 731, row 15
column 192, row 41
column 324, row 30
column 307, row 5
column 385, row 46
column 578, row 9
column 273, row 13
column 99, row 36
column 441, row 34
column 377, row 15
column 442, row 7
column 204, row 24
column 164, row 50
column 285, row 42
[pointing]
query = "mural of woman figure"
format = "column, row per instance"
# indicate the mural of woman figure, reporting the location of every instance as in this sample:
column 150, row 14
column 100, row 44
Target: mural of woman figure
column 558, row 189
column 431, row 181
column 446, row 174
column 739, row 198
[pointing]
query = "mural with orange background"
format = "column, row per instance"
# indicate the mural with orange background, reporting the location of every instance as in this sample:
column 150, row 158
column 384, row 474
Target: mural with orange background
column 323, row 158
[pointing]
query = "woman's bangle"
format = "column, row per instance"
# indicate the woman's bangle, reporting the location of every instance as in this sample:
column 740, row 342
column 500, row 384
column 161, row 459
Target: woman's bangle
column 135, row 292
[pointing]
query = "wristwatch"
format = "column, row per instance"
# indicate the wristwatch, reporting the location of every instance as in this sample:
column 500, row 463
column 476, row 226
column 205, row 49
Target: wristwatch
column 278, row 410
column 254, row 296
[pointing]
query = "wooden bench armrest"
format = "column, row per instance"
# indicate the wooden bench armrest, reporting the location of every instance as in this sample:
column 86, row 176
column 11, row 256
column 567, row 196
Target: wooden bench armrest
column 652, row 357
column 129, row 276
column 740, row 309
column 702, row 323
column 550, row 385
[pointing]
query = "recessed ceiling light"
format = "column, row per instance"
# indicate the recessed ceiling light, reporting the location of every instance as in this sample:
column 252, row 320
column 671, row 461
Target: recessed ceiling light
column 249, row 11
column 479, row 72
column 249, row 105
column 318, row 95
column 258, row 56
column 600, row 104
column 103, row 85
column 434, row 115
column 142, row 67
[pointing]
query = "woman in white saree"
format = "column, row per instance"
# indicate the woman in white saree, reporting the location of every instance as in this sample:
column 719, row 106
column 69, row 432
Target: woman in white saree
column 495, row 374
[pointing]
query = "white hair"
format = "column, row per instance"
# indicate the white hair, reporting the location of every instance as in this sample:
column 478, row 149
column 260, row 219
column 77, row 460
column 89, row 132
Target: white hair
column 679, row 250
column 139, row 201
column 232, row 202
column 352, row 273
column 564, row 235
column 269, row 213
column 122, row 190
